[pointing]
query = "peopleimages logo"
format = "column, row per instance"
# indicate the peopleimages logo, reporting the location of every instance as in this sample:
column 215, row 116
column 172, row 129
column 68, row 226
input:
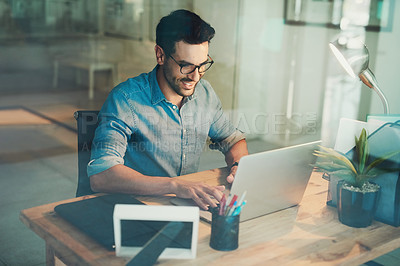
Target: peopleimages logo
column 278, row 124
column 255, row 124
column 261, row 124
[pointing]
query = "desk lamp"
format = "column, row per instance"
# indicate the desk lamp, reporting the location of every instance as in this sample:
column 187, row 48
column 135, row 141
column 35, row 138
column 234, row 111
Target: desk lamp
column 354, row 58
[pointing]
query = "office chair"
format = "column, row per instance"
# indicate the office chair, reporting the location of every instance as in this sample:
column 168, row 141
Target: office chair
column 87, row 123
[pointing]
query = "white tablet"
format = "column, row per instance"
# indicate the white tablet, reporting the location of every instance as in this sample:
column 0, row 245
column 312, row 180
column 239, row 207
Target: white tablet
column 147, row 220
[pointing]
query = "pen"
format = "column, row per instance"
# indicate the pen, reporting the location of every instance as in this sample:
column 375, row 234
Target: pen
column 227, row 203
column 239, row 209
column 234, row 198
column 222, row 205
column 232, row 209
column 231, row 204
column 242, row 198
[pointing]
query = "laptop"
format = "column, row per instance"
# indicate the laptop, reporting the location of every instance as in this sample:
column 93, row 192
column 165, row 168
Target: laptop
column 273, row 180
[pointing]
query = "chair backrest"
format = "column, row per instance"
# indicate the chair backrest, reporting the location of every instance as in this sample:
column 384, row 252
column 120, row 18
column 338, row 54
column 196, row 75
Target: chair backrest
column 87, row 124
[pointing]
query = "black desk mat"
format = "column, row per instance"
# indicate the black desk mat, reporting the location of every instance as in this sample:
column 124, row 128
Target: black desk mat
column 94, row 217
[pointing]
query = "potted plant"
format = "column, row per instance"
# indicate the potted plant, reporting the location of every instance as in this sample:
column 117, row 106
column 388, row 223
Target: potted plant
column 356, row 195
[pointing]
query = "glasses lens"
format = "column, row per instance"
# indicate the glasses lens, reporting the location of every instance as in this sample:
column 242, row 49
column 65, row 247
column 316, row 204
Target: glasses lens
column 187, row 69
column 203, row 68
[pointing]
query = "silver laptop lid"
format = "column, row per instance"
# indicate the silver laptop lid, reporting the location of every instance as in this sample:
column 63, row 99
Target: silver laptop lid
column 274, row 180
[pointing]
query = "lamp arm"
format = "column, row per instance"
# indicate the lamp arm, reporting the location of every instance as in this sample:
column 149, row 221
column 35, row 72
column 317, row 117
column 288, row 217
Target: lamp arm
column 368, row 78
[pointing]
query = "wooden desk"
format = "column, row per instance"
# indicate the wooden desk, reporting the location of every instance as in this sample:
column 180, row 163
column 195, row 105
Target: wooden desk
column 307, row 234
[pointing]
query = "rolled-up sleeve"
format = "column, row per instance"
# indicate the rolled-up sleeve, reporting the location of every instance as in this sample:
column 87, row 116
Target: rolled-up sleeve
column 222, row 132
column 116, row 124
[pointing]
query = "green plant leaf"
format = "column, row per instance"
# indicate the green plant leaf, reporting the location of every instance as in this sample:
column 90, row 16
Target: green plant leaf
column 347, row 176
column 362, row 150
column 336, row 162
column 380, row 160
column 330, row 166
column 354, row 171
column 377, row 171
column 344, row 172
column 329, row 156
column 336, row 157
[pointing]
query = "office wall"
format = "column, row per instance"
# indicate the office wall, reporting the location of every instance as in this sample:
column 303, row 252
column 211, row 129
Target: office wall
column 387, row 65
column 254, row 53
column 280, row 75
column 286, row 82
column 223, row 16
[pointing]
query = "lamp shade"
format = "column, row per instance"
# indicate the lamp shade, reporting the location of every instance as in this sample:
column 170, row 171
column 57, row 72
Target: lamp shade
column 354, row 58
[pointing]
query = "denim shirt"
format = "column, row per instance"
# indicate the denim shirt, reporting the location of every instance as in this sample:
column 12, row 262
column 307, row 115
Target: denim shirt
column 139, row 128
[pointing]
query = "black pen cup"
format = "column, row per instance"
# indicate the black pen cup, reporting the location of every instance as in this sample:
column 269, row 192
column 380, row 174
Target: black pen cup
column 224, row 231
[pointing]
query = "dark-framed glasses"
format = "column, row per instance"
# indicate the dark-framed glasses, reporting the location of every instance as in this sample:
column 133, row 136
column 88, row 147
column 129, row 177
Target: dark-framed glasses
column 187, row 68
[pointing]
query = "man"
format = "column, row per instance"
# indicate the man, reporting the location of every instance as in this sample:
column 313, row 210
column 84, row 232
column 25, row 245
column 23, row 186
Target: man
column 154, row 126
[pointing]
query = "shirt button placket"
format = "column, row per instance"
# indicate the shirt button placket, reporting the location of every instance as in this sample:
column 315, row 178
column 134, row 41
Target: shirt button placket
column 184, row 140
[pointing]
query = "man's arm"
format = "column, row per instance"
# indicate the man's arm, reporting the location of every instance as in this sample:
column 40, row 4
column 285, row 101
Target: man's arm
column 122, row 179
column 237, row 151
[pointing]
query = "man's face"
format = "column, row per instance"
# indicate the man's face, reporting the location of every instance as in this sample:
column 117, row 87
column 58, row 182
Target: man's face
column 196, row 54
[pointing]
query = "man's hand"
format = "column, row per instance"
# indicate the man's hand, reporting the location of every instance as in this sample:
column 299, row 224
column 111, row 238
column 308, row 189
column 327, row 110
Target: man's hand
column 232, row 158
column 204, row 195
column 232, row 174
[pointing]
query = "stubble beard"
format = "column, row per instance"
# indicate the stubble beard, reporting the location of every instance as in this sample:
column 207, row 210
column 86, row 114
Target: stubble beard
column 174, row 83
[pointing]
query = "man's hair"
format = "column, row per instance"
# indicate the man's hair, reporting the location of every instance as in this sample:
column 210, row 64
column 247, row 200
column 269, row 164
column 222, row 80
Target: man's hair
column 182, row 25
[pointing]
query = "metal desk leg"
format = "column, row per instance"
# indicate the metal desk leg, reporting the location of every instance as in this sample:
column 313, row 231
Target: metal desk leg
column 55, row 74
column 50, row 256
column 91, row 83
column 78, row 76
column 114, row 74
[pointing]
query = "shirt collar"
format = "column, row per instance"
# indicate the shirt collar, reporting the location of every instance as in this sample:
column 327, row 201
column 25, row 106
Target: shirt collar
column 194, row 95
column 156, row 93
